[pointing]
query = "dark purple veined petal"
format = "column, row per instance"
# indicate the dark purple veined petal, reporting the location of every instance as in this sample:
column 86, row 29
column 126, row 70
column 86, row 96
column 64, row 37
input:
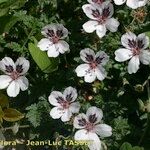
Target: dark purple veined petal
column 92, row 118
column 19, row 68
column 60, row 100
column 82, row 122
column 140, row 44
column 132, row 43
column 106, row 12
column 9, row 68
column 50, row 33
column 99, row 59
column 69, row 97
column 96, row 13
column 59, row 33
column 89, row 58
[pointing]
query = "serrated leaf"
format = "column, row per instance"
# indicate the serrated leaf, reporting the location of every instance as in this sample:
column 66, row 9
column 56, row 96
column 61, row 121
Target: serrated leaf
column 12, row 115
column 4, row 100
column 126, row 146
column 46, row 64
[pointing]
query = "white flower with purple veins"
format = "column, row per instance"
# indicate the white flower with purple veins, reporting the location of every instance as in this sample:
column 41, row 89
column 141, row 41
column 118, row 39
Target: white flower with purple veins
column 64, row 104
column 93, row 66
column 14, row 79
column 90, row 127
column 54, row 42
column 134, row 4
column 101, row 19
column 135, row 50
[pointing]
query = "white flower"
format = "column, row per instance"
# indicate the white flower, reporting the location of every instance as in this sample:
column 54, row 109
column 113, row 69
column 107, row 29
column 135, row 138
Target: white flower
column 53, row 42
column 14, row 80
column 90, row 128
column 64, row 104
column 134, row 4
column 101, row 19
column 135, row 50
column 93, row 66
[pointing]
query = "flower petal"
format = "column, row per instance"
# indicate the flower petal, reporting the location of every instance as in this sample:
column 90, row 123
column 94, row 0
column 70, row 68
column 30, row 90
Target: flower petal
column 142, row 3
column 91, row 11
column 70, row 94
column 22, row 65
column 145, row 57
column 93, row 140
column 103, row 130
column 74, row 107
column 4, row 81
column 101, row 31
column 119, row 2
column 112, row 24
column 87, row 55
column 94, row 114
column 82, row 70
column 66, row 116
column 100, row 73
column 123, row 54
column 90, row 76
column 90, row 26
column 80, row 121
column 23, row 83
column 61, row 32
column 107, row 9
column 56, row 112
column 53, row 51
column 133, row 65
column 62, row 46
column 101, row 58
column 54, row 98
column 128, row 40
column 7, row 65
column 44, row 44
column 143, row 41
column 132, row 4
column 13, row 89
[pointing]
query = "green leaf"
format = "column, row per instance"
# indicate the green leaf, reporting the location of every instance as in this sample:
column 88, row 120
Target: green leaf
column 46, row 64
column 137, row 148
column 4, row 100
column 126, row 146
column 12, row 115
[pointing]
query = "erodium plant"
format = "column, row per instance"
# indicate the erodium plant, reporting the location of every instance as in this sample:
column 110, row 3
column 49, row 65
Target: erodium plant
column 75, row 90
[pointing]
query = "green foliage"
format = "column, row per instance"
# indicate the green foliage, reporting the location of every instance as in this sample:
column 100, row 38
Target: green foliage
column 128, row 146
column 35, row 112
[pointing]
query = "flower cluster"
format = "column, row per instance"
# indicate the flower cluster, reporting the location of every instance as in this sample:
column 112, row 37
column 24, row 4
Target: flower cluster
column 90, row 124
column 135, row 49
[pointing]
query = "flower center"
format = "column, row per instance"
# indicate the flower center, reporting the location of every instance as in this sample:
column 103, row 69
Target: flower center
column 93, row 65
column 14, row 75
column 136, row 51
column 89, row 126
column 55, row 39
column 63, row 103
